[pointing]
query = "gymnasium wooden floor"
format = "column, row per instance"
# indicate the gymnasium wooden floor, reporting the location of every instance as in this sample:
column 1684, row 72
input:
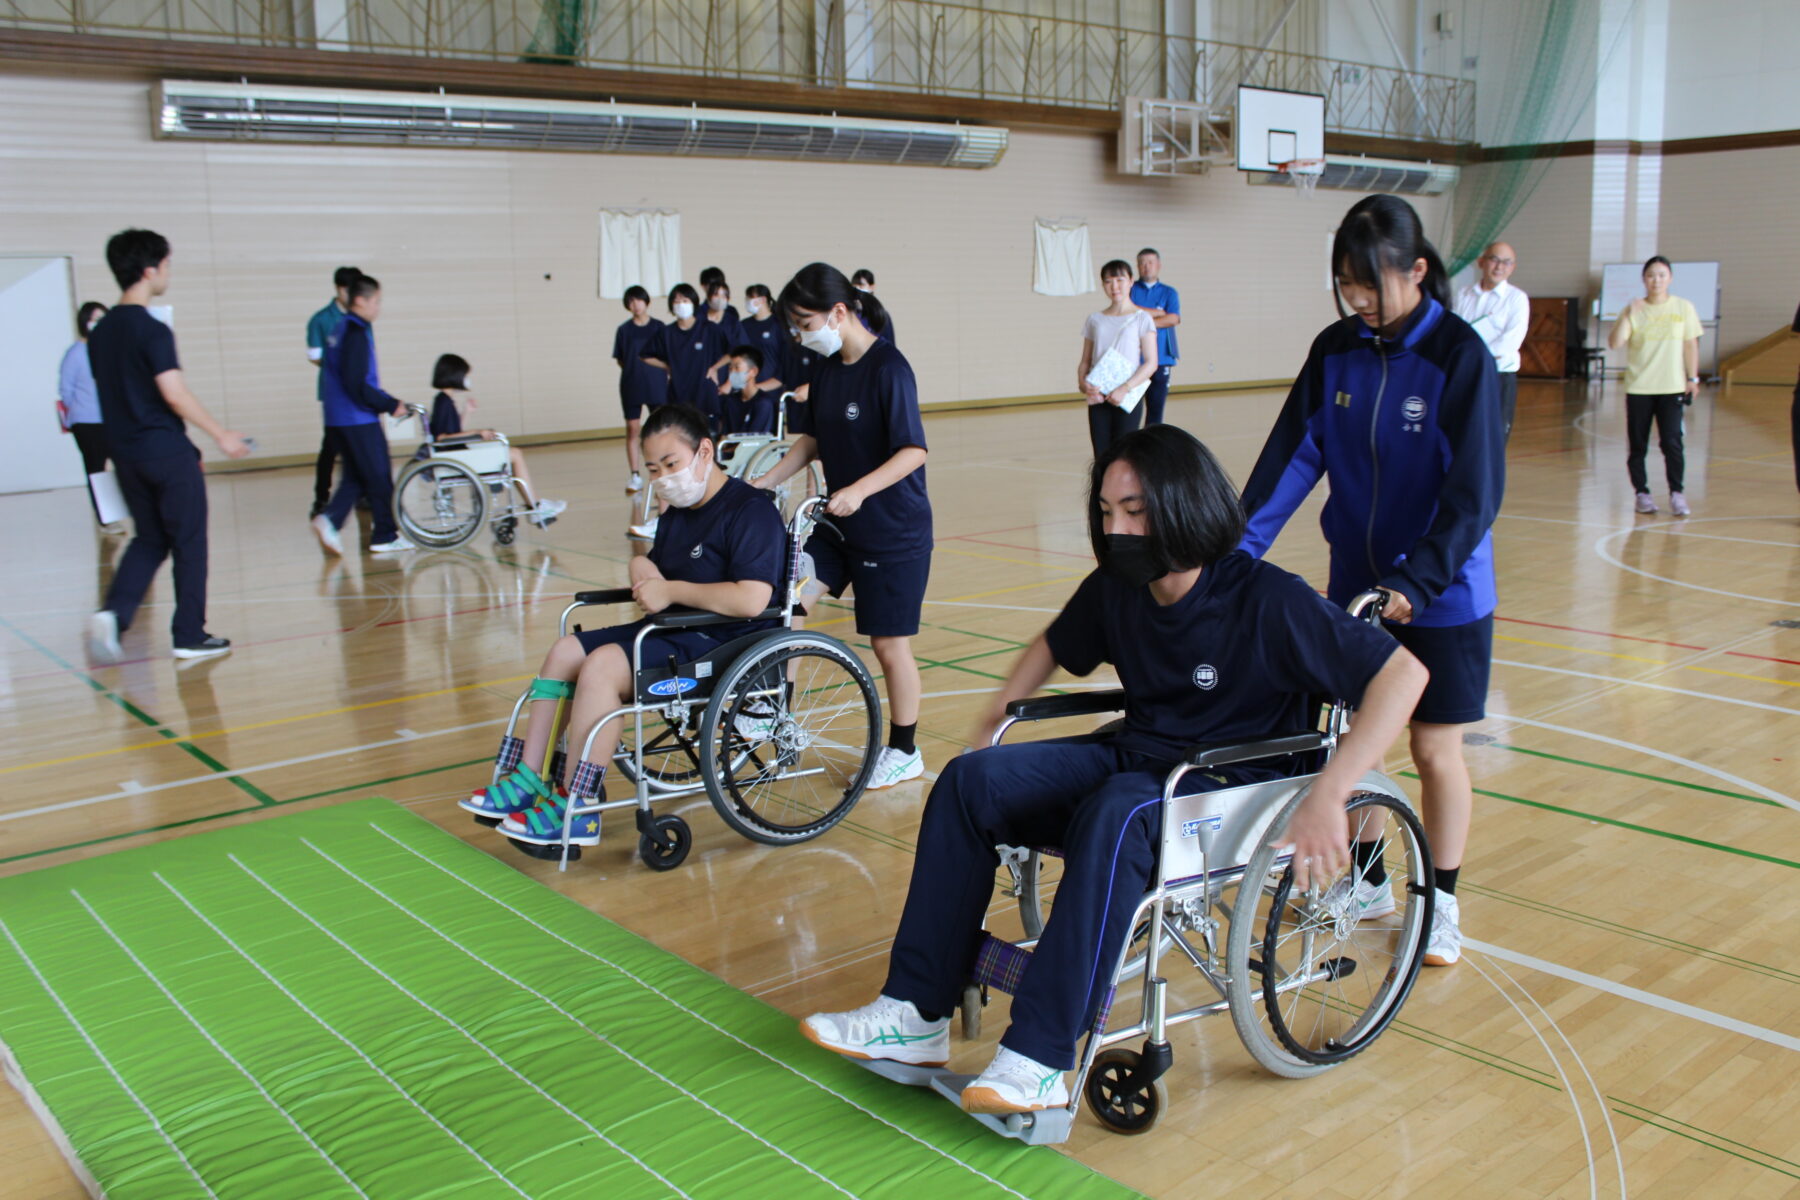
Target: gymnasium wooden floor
column 1622, row 1026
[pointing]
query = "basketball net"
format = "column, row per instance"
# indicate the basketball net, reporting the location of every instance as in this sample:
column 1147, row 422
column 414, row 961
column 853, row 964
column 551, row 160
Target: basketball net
column 1304, row 173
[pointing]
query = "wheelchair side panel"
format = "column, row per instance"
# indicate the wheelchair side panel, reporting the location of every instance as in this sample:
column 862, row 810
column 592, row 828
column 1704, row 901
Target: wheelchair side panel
column 1209, row 832
column 484, row 458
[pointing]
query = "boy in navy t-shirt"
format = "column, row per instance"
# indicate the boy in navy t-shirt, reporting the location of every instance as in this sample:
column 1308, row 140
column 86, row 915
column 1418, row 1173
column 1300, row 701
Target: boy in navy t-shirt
column 748, row 407
column 1209, row 644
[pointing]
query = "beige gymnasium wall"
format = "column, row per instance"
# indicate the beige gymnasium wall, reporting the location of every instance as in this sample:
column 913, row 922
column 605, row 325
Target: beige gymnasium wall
column 492, row 254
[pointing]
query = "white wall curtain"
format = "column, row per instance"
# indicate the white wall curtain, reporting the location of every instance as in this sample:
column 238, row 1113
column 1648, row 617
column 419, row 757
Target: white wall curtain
column 639, row 247
column 1065, row 265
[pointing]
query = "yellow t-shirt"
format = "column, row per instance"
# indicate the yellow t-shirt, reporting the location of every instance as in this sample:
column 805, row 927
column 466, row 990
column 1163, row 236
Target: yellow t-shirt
column 1654, row 365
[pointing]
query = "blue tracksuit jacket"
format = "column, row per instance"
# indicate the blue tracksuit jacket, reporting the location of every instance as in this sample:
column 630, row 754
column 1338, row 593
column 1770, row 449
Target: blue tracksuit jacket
column 1409, row 434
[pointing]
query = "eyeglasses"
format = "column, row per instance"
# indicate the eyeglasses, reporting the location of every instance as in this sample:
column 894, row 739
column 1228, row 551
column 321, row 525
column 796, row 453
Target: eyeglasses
column 1498, row 262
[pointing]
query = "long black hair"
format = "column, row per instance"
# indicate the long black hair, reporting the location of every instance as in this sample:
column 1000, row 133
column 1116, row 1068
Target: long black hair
column 1191, row 511
column 1384, row 233
column 818, row 287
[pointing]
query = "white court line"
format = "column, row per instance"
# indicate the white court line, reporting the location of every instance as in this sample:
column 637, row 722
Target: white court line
column 1676, row 531
column 348, row 1044
column 473, row 1040
column 1655, row 687
column 1731, row 1024
column 672, row 1001
column 104, row 1061
column 1006, row 607
column 1602, row 549
column 1726, row 776
column 578, row 1022
column 214, row 1042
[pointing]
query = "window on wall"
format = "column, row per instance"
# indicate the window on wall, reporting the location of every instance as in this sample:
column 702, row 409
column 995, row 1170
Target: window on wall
column 641, row 247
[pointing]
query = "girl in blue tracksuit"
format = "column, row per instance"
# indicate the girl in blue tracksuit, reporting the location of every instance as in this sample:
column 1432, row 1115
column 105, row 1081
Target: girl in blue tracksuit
column 1398, row 405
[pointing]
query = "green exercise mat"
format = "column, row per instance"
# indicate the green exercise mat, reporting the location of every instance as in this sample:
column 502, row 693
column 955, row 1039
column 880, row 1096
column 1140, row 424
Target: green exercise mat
column 352, row 1002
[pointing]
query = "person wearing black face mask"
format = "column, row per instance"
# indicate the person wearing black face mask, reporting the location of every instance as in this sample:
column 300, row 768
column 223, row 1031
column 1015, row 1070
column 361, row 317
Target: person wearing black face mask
column 1209, row 644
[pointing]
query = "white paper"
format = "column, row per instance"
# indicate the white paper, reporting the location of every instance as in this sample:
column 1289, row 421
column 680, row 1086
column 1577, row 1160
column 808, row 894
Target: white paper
column 108, row 499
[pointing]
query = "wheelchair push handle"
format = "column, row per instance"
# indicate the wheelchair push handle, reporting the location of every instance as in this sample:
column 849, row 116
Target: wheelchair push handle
column 1367, row 605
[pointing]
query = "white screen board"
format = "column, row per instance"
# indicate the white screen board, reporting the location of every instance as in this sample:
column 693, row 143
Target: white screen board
column 1696, row 282
column 1273, row 127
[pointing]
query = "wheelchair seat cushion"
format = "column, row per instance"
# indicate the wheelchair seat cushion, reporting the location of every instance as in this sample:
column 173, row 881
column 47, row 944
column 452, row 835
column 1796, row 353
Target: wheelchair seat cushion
column 484, row 458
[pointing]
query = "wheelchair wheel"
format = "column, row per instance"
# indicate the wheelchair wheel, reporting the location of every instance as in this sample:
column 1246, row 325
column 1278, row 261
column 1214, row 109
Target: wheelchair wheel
column 790, row 737
column 1120, row 1104
column 1328, row 984
column 671, row 758
column 439, row 502
column 667, row 844
column 796, row 488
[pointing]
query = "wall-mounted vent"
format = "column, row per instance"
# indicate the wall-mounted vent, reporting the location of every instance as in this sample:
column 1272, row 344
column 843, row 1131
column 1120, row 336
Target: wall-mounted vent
column 1344, row 173
column 247, row 112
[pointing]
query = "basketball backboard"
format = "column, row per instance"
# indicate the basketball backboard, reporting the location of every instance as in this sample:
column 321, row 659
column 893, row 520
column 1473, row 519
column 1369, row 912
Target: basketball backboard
column 1274, row 127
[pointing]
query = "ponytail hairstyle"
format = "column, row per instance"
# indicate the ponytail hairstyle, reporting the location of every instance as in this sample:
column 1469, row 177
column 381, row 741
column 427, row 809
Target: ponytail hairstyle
column 862, row 277
column 820, row 287
column 680, row 419
column 759, row 289
column 1383, row 233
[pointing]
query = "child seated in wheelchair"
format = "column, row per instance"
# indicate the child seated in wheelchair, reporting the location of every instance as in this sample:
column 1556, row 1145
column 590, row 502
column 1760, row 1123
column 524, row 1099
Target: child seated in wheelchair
column 451, row 379
column 1209, row 645
column 722, row 547
column 747, row 407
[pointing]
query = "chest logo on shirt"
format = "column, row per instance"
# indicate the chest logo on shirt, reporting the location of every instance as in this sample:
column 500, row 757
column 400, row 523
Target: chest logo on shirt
column 695, row 552
column 1206, row 677
column 852, row 410
column 699, row 345
column 1343, row 399
column 1412, row 414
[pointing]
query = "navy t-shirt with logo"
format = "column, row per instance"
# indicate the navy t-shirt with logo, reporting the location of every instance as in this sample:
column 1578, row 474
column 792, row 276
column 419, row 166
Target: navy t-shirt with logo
column 769, row 336
column 127, row 350
column 736, row 536
column 862, row 413
column 1248, row 653
column 689, row 352
column 639, row 382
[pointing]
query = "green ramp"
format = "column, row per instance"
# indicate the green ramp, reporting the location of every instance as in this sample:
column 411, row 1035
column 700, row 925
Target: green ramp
column 352, row 1002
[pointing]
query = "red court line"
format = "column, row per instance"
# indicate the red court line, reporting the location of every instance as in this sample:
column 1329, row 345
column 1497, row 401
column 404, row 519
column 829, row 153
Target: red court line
column 1764, row 657
column 1599, row 633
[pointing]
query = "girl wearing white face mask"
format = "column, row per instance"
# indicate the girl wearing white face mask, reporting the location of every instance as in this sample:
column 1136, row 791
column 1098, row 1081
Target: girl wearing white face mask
column 687, row 349
column 761, row 330
column 720, row 547
column 79, row 404
column 862, row 423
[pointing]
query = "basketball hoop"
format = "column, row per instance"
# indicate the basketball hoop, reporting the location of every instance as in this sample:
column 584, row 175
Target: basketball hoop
column 1303, row 173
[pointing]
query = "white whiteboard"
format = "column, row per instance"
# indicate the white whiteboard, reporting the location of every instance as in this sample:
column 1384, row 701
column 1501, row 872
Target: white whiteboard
column 1696, row 282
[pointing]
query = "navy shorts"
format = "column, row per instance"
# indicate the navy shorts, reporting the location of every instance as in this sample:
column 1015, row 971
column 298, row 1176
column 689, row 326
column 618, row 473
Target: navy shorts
column 633, row 406
column 1459, row 658
column 888, row 594
column 685, row 645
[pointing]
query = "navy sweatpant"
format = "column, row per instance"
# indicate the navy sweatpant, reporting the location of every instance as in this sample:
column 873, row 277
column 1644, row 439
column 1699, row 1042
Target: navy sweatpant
column 167, row 499
column 1157, row 397
column 367, row 472
column 1103, row 807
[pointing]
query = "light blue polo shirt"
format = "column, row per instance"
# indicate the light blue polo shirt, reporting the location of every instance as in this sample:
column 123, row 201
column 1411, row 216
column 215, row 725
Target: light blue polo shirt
column 1160, row 295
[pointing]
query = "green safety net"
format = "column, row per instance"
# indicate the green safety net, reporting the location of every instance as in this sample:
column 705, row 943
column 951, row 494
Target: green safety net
column 562, row 32
column 352, row 1002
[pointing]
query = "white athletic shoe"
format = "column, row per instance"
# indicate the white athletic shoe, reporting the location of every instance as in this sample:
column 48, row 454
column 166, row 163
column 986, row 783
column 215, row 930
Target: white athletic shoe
column 1646, row 504
column 634, row 482
column 757, row 722
column 1371, row 899
column 394, row 547
column 546, row 512
column 892, row 767
column 328, row 535
column 1678, row 504
column 645, row 532
column 1445, row 945
column 1013, row 1084
column 103, row 636
column 888, row 1028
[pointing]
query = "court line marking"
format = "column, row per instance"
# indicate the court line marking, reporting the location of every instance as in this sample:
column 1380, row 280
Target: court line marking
column 1604, row 552
column 214, row 1042
column 1657, row 687
column 473, row 1040
column 104, row 1061
column 326, row 1026
column 652, row 988
column 1650, row 999
column 608, row 1042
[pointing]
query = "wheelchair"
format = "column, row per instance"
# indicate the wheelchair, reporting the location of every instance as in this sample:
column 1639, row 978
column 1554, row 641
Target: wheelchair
column 779, row 728
column 442, row 500
column 1308, row 984
column 749, row 456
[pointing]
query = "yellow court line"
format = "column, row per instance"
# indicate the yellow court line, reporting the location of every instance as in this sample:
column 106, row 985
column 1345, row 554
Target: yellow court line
column 1501, row 637
column 1741, row 675
column 327, row 712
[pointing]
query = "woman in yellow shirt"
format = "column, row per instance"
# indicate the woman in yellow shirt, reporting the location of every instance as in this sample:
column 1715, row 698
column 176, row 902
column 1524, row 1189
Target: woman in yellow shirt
column 1662, row 372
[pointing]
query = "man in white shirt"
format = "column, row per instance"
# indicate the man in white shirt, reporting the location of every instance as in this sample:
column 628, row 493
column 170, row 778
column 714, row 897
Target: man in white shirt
column 1499, row 312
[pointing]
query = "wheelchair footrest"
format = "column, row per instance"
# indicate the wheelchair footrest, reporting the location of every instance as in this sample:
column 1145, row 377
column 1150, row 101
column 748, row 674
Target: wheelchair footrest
column 906, row 1073
column 1046, row 1127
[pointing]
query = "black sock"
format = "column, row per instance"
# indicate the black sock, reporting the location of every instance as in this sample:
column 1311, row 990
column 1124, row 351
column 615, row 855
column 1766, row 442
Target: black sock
column 1446, row 880
column 901, row 737
column 1367, row 856
column 929, row 1016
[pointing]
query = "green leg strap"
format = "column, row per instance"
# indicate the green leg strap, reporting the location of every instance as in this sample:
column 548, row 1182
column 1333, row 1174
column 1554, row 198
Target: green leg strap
column 550, row 689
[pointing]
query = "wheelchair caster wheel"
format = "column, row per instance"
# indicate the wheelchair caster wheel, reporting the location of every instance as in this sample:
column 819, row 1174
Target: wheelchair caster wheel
column 1120, row 1104
column 505, row 531
column 666, row 846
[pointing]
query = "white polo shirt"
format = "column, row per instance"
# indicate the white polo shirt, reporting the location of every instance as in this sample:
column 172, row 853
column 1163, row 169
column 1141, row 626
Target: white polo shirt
column 1500, row 315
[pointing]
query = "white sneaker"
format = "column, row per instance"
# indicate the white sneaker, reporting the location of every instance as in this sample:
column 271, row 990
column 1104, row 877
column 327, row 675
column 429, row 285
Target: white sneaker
column 1645, row 503
column 645, row 532
column 546, row 512
column 1013, row 1083
column 1371, row 899
column 756, row 723
column 892, row 767
column 328, row 535
column 1445, row 945
column 1678, row 504
column 103, row 636
column 394, row 547
column 634, row 482
column 889, row 1029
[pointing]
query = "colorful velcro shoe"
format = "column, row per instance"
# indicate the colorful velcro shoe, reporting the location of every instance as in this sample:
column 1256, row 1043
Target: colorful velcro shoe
column 542, row 825
column 513, row 794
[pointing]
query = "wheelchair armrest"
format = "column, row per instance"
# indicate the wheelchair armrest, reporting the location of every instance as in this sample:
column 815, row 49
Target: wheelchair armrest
column 604, row 596
column 679, row 616
column 1215, row 754
column 1082, row 704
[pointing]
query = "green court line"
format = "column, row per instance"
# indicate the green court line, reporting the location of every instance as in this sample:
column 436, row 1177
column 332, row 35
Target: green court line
column 1658, row 1124
column 138, row 714
column 1582, row 762
column 1662, row 833
column 1709, row 1133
